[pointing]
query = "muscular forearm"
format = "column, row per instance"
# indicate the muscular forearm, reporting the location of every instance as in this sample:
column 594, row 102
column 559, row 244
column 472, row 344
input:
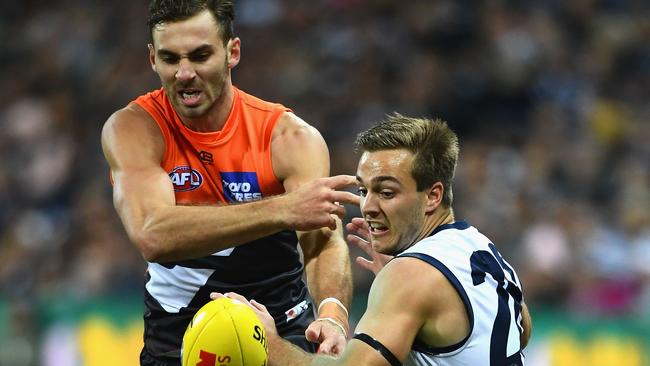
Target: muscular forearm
column 328, row 267
column 329, row 275
column 171, row 233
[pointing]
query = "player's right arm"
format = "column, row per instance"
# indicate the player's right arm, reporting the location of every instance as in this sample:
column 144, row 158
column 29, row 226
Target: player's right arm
column 397, row 311
column 143, row 196
column 527, row 324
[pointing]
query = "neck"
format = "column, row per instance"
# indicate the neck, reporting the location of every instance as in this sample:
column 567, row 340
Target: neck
column 439, row 217
column 216, row 116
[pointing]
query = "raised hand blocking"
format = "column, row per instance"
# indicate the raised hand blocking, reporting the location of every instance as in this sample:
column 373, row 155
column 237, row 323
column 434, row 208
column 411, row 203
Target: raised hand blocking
column 318, row 203
column 359, row 236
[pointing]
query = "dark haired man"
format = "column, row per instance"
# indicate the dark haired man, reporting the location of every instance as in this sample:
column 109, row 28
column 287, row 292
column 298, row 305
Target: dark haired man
column 216, row 187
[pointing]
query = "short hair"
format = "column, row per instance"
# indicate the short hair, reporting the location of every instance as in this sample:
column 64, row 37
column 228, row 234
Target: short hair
column 161, row 11
column 433, row 144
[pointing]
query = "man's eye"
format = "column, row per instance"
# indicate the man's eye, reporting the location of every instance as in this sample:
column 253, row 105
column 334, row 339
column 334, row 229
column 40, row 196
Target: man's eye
column 200, row 57
column 362, row 192
column 387, row 194
column 169, row 59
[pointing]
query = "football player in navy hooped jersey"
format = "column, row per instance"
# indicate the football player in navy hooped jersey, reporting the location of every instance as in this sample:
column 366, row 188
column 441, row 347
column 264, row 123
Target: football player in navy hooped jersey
column 447, row 297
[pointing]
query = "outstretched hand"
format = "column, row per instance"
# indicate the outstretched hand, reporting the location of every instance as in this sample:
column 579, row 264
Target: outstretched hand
column 359, row 235
column 259, row 309
column 329, row 336
column 318, row 203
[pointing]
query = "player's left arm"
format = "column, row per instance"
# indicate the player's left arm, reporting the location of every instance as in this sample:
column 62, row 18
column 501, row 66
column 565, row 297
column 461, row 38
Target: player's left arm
column 300, row 155
column 397, row 310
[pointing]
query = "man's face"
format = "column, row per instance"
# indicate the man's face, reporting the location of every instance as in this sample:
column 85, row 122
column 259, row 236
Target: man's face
column 390, row 202
column 193, row 63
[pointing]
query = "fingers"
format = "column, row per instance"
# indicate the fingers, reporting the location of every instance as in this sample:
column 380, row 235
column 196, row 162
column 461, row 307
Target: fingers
column 333, row 223
column 258, row 306
column 216, row 295
column 361, row 231
column 341, row 181
column 364, row 263
column 338, row 209
column 359, row 222
column 238, row 297
column 312, row 334
column 360, row 243
column 328, row 346
column 331, row 340
column 358, row 227
column 337, row 350
column 345, row 197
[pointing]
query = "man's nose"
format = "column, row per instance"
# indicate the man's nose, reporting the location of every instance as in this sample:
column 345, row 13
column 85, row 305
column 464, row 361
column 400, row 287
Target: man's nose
column 185, row 70
column 369, row 205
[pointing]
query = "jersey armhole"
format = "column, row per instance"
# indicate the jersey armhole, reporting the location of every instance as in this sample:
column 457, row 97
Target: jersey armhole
column 157, row 116
column 267, row 140
column 434, row 351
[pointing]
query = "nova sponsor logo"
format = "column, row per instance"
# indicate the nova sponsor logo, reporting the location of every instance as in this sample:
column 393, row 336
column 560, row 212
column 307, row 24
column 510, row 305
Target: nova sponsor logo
column 184, row 178
column 241, row 186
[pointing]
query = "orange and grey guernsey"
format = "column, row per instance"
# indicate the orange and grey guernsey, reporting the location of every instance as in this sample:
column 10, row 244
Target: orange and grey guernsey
column 232, row 165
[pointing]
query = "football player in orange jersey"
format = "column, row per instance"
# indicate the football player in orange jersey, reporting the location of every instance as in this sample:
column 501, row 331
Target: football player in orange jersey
column 216, row 188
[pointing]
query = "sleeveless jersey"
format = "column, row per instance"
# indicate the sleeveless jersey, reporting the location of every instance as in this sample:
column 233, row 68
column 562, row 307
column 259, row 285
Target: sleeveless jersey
column 491, row 293
column 232, row 165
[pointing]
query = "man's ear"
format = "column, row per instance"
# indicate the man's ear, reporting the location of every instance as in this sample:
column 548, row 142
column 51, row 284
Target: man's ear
column 152, row 57
column 434, row 196
column 233, row 49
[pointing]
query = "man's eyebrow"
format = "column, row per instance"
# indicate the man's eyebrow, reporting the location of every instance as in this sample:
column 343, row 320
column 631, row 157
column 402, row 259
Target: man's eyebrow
column 164, row 52
column 202, row 48
column 380, row 179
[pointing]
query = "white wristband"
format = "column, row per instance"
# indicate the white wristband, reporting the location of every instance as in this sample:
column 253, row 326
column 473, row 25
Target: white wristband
column 335, row 322
column 336, row 301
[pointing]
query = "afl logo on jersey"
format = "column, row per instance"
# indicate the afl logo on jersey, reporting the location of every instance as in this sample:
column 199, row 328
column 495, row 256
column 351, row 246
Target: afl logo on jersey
column 184, row 178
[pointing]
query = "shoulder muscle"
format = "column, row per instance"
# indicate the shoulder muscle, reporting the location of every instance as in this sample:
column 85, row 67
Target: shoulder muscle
column 421, row 302
column 131, row 137
column 299, row 152
column 397, row 306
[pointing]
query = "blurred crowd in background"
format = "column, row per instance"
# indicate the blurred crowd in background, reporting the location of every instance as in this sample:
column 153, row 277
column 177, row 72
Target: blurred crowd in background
column 551, row 100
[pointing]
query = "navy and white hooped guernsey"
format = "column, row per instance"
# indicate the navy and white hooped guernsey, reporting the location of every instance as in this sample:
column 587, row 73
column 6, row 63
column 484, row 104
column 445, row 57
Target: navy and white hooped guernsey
column 490, row 290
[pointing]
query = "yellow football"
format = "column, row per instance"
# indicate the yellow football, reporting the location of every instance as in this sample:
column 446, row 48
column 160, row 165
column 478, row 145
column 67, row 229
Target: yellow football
column 224, row 332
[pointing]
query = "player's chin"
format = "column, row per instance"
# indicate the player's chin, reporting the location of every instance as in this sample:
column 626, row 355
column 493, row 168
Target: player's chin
column 191, row 112
column 386, row 247
column 380, row 243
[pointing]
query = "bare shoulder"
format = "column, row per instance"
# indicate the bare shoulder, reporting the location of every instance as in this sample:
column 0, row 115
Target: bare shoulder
column 399, row 304
column 445, row 317
column 401, row 287
column 131, row 132
column 291, row 126
column 408, row 300
column 405, row 277
column 298, row 151
column 130, row 119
